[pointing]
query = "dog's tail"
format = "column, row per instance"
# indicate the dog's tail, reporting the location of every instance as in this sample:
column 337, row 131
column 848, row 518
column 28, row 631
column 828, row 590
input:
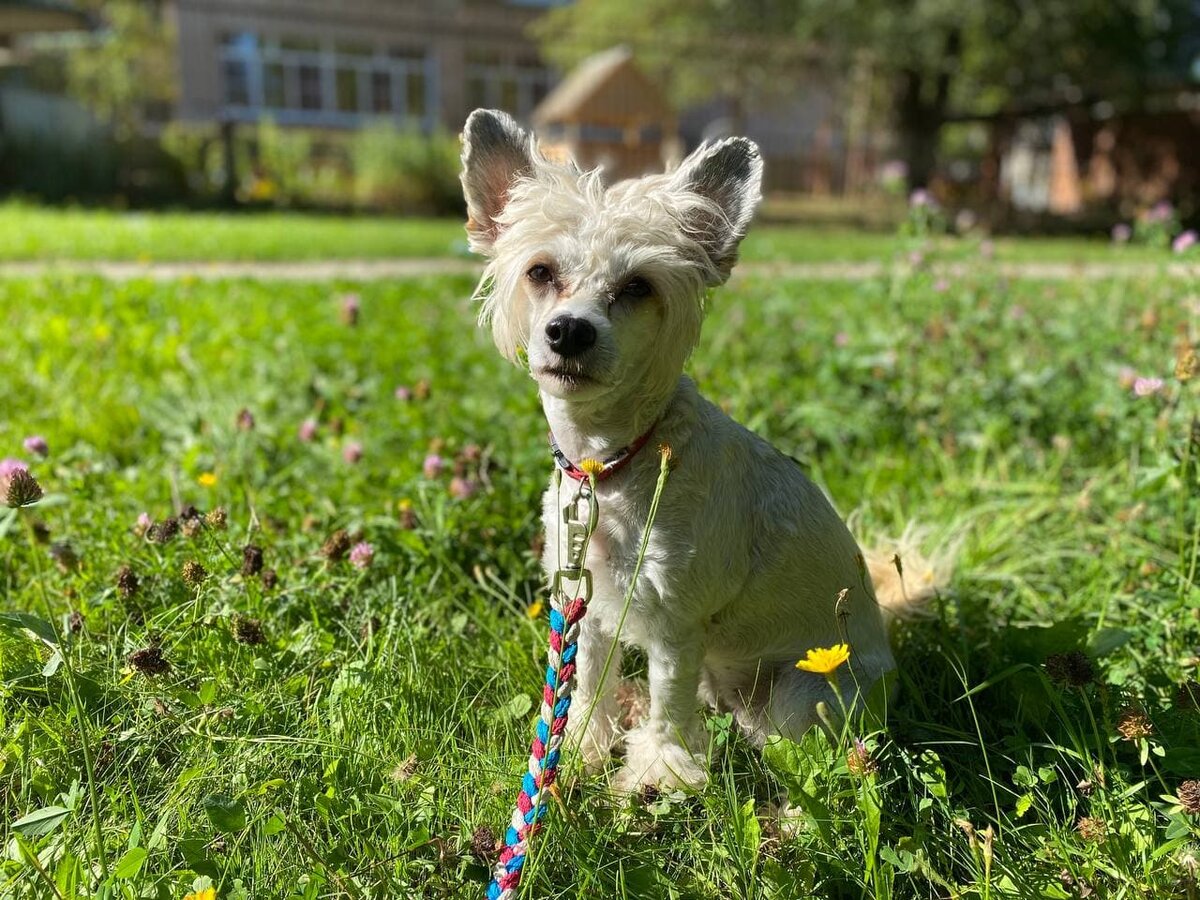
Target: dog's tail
column 904, row 576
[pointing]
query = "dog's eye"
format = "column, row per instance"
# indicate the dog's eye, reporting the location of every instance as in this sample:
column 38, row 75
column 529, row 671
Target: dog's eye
column 636, row 287
column 540, row 274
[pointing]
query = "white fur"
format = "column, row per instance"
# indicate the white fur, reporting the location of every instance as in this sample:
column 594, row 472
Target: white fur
column 747, row 556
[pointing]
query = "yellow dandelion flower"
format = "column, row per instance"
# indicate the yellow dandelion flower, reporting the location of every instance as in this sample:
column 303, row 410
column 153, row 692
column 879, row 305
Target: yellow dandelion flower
column 208, row 479
column 209, row 893
column 825, row 660
column 591, row 466
column 534, row 609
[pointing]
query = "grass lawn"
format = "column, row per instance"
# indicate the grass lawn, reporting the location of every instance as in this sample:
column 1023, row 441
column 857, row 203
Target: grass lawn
column 40, row 233
column 330, row 730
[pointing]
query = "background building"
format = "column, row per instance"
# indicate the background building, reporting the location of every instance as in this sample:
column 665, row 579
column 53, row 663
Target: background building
column 338, row 65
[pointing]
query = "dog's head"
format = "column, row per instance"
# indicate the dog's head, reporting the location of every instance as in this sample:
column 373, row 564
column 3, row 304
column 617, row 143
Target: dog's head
column 603, row 287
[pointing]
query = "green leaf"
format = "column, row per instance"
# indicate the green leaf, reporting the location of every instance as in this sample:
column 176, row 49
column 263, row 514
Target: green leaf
column 274, row 825
column 21, row 622
column 41, row 821
column 1107, row 640
column 516, row 708
column 1024, row 802
column 226, row 814
column 52, row 664
column 130, row 864
column 748, row 831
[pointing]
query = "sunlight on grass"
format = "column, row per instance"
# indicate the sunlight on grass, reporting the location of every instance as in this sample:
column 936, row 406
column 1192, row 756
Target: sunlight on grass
column 272, row 710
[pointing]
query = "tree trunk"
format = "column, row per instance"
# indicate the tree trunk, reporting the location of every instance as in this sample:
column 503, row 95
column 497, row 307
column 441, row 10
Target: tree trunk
column 229, row 161
column 921, row 112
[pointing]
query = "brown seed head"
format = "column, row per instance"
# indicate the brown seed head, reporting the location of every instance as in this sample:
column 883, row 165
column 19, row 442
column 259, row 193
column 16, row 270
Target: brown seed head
column 163, row 532
column 217, row 518
column 1189, row 797
column 1133, row 724
column 1073, row 669
column 246, row 630
column 336, row 546
column 64, row 556
column 127, row 582
column 21, row 489
column 485, row 849
column 191, row 527
column 149, row 661
column 270, row 579
column 252, row 560
column 1092, row 829
column 193, row 573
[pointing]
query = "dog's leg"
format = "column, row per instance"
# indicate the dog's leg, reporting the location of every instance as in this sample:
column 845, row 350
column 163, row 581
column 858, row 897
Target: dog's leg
column 669, row 748
column 595, row 693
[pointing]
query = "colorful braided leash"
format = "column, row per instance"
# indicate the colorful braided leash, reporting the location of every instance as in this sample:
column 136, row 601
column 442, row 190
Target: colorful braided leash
column 580, row 515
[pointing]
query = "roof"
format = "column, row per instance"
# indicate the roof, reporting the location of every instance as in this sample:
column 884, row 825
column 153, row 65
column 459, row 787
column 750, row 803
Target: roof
column 605, row 89
column 31, row 16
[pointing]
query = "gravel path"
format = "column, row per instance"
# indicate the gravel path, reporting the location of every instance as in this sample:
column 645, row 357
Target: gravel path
column 380, row 269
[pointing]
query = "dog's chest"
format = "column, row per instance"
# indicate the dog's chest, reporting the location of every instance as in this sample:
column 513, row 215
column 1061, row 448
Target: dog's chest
column 613, row 559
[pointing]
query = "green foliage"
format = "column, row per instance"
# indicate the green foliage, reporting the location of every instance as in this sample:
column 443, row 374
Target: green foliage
column 931, row 56
column 698, row 48
column 377, row 168
column 406, row 171
column 383, row 718
column 129, row 70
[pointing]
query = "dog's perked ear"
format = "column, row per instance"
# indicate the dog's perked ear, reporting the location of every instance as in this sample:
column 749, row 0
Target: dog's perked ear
column 496, row 151
column 727, row 174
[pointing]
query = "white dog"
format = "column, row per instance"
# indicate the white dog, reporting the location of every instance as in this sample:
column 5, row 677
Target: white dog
column 603, row 289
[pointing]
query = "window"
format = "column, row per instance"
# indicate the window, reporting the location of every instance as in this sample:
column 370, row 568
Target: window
column 274, row 87
column 415, row 95
column 515, row 85
column 310, row 86
column 309, row 81
column 237, row 83
column 381, row 91
column 347, row 90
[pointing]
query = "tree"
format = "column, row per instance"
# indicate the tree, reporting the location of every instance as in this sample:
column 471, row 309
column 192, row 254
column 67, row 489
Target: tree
column 939, row 59
column 733, row 49
column 129, row 69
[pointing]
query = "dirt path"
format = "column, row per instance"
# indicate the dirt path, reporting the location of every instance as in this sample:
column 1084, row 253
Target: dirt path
column 382, row 269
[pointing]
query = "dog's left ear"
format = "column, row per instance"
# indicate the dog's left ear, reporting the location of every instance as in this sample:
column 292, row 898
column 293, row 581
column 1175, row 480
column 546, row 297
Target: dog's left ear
column 496, row 151
column 728, row 174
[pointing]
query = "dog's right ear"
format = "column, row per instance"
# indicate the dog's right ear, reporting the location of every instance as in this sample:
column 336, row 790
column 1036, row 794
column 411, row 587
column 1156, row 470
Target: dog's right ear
column 496, row 151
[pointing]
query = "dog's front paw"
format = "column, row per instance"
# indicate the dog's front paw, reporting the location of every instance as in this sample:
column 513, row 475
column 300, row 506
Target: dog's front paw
column 652, row 758
column 593, row 738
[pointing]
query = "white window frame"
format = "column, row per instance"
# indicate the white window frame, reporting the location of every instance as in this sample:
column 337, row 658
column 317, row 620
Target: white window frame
column 255, row 58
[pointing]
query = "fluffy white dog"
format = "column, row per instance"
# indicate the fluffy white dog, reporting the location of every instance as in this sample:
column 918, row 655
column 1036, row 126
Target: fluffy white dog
column 602, row 289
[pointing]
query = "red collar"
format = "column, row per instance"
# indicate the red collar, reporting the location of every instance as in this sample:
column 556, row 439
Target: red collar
column 609, row 467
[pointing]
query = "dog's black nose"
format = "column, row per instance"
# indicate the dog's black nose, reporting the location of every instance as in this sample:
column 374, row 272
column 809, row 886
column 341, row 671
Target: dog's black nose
column 570, row 335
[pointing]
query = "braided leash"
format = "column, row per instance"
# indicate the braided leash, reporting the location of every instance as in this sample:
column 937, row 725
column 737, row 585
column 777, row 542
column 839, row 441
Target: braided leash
column 580, row 515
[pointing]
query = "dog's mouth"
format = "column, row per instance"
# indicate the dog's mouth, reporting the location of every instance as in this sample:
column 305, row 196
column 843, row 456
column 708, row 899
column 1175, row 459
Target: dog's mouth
column 571, row 378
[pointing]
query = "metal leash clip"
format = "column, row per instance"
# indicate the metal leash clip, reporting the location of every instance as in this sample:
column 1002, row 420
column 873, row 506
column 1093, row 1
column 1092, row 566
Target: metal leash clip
column 580, row 515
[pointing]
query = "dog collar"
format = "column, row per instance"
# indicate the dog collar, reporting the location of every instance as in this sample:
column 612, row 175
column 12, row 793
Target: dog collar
column 600, row 470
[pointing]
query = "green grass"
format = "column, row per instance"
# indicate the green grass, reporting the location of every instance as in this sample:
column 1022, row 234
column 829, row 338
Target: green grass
column 385, row 718
column 41, row 233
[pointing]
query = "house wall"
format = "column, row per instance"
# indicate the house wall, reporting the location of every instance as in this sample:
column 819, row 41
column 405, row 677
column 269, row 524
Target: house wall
column 324, row 64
